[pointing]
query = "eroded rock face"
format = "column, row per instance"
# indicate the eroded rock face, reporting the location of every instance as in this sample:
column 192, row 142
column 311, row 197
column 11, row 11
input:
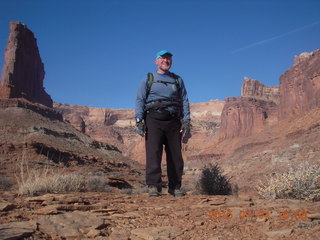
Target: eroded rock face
column 242, row 117
column 255, row 89
column 300, row 85
column 106, row 125
column 23, row 70
column 249, row 114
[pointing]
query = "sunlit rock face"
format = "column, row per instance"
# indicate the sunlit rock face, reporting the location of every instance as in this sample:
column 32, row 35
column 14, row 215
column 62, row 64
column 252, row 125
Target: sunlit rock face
column 255, row 89
column 243, row 117
column 300, row 85
column 249, row 114
column 23, row 71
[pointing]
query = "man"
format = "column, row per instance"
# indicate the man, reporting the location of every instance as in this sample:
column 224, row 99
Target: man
column 163, row 117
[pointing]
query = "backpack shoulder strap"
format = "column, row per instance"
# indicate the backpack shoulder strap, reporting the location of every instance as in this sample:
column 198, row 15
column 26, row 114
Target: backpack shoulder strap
column 149, row 83
column 176, row 79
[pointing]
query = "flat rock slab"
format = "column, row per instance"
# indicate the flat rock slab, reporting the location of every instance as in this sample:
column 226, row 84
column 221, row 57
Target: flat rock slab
column 70, row 225
column 279, row 233
column 17, row 230
column 5, row 206
column 156, row 233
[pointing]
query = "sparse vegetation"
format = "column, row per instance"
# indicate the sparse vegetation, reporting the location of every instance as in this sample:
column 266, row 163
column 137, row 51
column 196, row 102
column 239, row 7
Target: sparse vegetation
column 299, row 182
column 97, row 184
column 38, row 181
column 213, row 182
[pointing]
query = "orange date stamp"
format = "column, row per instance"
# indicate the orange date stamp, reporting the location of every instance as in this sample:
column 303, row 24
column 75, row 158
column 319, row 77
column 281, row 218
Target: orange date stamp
column 261, row 214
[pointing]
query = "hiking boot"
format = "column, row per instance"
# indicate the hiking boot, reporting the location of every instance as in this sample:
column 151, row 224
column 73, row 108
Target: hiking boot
column 154, row 191
column 176, row 192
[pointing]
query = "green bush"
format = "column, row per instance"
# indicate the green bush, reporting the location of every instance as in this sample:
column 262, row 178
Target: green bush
column 299, row 182
column 213, row 182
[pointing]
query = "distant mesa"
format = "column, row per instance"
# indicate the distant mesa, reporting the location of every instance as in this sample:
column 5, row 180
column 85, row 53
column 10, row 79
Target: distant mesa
column 23, row 71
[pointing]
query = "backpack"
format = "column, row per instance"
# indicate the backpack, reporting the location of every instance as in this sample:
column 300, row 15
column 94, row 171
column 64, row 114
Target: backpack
column 151, row 81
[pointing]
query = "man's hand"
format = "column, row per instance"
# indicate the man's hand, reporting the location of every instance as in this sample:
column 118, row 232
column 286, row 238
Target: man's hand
column 185, row 128
column 185, row 131
column 140, row 128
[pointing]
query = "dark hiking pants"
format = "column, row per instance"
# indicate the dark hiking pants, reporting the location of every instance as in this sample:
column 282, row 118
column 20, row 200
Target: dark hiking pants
column 167, row 133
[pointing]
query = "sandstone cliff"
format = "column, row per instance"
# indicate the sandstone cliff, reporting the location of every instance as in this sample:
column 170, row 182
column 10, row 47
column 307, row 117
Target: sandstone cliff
column 255, row 89
column 267, row 130
column 249, row 114
column 106, row 125
column 300, row 85
column 243, row 117
column 23, row 70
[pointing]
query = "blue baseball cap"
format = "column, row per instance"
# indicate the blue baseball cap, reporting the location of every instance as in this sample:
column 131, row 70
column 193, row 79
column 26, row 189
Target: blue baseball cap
column 163, row 52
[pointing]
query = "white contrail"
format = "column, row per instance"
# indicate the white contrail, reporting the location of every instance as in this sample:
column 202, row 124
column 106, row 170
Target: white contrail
column 276, row 37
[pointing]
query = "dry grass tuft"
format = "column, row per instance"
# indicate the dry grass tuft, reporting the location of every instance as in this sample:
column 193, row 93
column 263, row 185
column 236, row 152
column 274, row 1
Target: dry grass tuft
column 43, row 180
column 300, row 182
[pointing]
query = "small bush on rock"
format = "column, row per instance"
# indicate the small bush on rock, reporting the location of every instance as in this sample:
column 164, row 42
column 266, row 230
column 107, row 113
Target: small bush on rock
column 299, row 182
column 213, row 182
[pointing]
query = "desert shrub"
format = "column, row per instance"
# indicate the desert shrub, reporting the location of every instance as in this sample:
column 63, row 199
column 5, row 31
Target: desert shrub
column 213, row 182
column 299, row 182
column 97, row 184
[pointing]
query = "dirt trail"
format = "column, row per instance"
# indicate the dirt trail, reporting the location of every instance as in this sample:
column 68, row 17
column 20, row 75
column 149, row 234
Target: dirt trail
column 119, row 216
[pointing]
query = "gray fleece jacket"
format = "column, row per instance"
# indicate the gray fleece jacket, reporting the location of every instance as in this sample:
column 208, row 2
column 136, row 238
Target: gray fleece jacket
column 162, row 91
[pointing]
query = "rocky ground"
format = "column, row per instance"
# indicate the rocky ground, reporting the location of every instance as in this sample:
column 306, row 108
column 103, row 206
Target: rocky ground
column 137, row 216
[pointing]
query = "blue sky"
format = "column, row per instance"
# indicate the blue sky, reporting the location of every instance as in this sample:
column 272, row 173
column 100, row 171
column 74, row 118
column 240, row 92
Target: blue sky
column 96, row 52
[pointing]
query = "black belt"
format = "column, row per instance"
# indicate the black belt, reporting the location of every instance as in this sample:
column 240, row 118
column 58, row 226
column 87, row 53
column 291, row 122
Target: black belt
column 162, row 114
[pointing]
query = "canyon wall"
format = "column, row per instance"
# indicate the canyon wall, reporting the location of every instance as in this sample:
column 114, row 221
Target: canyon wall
column 117, row 126
column 254, row 89
column 23, row 70
column 300, row 85
column 249, row 114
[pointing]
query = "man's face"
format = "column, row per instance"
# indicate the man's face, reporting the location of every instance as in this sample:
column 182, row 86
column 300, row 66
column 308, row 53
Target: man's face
column 164, row 62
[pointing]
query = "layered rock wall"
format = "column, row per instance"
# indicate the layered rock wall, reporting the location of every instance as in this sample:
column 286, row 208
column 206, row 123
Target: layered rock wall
column 255, row 89
column 300, row 85
column 242, row 117
column 249, row 114
column 23, row 71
